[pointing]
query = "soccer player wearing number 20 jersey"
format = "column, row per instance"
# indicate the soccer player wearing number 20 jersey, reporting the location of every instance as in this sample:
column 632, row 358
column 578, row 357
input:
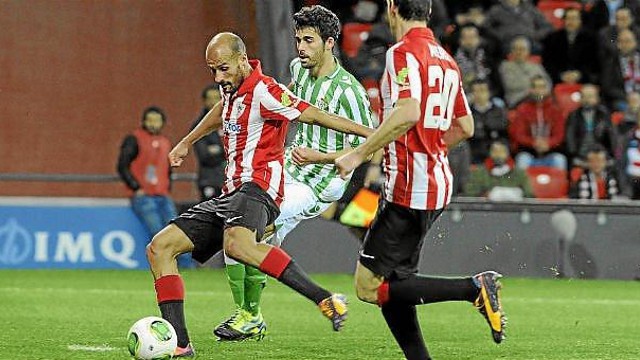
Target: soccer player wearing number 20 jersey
column 425, row 112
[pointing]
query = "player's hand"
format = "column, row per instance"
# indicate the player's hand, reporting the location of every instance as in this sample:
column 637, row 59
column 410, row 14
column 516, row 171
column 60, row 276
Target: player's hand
column 178, row 153
column 348, row 162
column 303, row 156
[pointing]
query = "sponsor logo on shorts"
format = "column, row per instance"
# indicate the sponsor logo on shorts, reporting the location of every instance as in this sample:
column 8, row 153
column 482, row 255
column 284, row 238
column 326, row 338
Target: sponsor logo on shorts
column 232, row 219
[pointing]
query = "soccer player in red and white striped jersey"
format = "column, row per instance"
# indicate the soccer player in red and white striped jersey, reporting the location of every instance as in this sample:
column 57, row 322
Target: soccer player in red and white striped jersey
column 254, row 115
column 425, row 111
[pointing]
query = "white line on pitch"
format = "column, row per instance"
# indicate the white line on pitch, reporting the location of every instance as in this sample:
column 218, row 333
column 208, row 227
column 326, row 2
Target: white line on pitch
column 101, row 348
column 568, row 301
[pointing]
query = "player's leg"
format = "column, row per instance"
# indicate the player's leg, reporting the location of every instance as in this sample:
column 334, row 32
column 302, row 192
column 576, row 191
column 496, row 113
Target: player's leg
column 401, row 318
column 235, row 277
column 240, row 243
column 391, row 250
column 167, row 212
column 198, row 230
column 161, row 253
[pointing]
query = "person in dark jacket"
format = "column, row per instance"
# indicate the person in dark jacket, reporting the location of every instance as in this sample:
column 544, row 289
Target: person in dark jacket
column 603, row 12
column 209, row 151
column 588, row 125
column 490, row 121
column 596, row 182
column 622, row 74
column 569, row 53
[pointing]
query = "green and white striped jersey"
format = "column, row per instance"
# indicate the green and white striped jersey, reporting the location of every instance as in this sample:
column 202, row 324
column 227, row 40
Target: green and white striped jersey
column 338, row 93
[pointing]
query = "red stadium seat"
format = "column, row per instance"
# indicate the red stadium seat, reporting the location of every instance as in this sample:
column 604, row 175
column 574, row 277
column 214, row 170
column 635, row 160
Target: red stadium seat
column 353, row 34
column 567, row 96
column 554, row 10
column 617, row 117
column 373, row 90
column 548, row 182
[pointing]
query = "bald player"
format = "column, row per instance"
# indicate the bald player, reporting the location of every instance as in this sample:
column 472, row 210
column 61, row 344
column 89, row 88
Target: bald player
column 254, row 113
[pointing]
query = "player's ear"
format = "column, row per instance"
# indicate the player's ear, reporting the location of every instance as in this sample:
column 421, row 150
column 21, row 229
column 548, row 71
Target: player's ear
column 330, row 43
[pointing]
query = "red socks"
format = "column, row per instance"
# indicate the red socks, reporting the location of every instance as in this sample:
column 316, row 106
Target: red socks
column 276, row 261
column 169, row 288
column 383, row 293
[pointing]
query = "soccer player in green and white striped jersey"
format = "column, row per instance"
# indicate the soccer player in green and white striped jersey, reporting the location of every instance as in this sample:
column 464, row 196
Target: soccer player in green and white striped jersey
column 312, row 182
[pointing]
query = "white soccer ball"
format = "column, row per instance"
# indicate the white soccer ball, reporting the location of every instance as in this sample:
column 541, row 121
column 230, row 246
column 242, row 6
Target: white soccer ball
column 152, row 338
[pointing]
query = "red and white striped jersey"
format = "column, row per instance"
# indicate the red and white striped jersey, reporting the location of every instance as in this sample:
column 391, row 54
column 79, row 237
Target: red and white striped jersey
column 416, row 166
column 255, row 120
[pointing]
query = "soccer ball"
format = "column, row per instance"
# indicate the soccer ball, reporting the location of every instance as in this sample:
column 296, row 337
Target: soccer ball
column 152, row 338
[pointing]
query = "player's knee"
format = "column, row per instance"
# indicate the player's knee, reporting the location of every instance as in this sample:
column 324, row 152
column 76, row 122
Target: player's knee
column 163, row 246
column 366, row 291
column 234, row 247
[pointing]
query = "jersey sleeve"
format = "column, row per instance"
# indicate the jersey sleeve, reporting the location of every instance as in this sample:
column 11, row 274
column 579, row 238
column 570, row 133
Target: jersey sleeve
column 404, row 70
column 280, row 104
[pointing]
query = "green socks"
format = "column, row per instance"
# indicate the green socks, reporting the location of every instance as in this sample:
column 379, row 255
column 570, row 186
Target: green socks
column 254, row 283
column 246, row 285
column 236, row 275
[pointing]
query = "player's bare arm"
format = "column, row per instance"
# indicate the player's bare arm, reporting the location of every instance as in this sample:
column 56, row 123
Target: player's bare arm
column 210, row 122
column 303, row 156
column 461, row 129
column 403, row 117
column 313, row 115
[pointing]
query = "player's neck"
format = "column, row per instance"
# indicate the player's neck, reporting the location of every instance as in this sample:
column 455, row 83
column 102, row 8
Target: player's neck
column 327, row 67
column 404, row 27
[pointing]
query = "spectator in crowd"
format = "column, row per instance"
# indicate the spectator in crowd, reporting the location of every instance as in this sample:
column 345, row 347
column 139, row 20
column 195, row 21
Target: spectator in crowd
column 596, row 182
column 608, row 36
column 629, row 117
column 603, row 12
column 631, row 161
column 517, row 71
column 209, row 151
column 537, row 129
column 498, row 178
column 588, row 125
column 370, row 61
column 490, row 120
column 475, row 59
column 569, row 53
column 622, row 74
column 512, row 18
column 456, row 7
column 143, row 166
column 459, row 158
column 474, row 16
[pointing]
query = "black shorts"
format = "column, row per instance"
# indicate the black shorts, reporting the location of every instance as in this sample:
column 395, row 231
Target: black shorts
column 249, row 207
column 393, row 243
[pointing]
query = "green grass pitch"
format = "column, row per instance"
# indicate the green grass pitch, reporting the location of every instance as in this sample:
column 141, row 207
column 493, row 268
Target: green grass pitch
column 47, row 314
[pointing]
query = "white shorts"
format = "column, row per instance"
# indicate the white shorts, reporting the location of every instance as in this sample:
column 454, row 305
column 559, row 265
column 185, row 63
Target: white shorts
column 300, row 202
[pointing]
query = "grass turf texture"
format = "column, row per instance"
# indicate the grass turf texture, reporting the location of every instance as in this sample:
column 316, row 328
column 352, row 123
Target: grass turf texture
column 86, row 315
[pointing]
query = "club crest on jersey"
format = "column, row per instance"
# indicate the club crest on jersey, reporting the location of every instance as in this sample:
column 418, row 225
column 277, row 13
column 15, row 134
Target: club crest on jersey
column 321, row 104
column 239, row 109
column 402, row 78
column 285, row 99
